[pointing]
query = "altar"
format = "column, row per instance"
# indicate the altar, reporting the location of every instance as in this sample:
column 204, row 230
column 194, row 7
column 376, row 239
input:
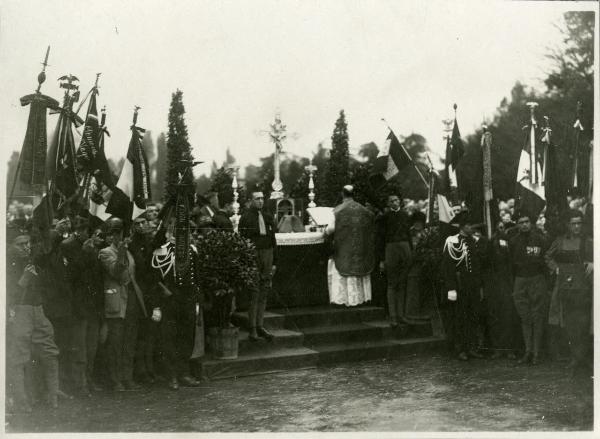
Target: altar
column 301, row 276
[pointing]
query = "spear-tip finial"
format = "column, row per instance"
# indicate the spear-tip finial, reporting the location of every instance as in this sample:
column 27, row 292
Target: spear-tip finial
column 42, row 75
column 97, row 77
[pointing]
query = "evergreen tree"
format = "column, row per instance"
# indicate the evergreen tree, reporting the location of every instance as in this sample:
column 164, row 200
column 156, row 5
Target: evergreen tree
column 178, row 146
column 337, row 172
column 161, row 167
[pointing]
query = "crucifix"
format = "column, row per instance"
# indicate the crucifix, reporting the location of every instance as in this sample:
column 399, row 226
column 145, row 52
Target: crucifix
column 277, row 135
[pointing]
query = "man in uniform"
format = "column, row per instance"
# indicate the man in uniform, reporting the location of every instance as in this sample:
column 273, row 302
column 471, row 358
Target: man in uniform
column 395, row 255
column 349, row 271
column 527, row 250
column 260, row 229
column 141, row 250
column 461, row 270
column 178, row 301
column 85, row 321
column 27, row 328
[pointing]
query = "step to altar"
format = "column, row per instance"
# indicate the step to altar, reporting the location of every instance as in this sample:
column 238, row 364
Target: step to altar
column 315, row 336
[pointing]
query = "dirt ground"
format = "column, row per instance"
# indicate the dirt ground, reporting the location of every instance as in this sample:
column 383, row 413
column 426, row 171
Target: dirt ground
column 424, row 392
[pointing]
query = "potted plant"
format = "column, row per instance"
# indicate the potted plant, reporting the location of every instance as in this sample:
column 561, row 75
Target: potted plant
column 226, row 267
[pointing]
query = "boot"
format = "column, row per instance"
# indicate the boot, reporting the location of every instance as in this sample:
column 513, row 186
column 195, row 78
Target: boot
column 50, row 366
column 262, row 332
column 253, row 336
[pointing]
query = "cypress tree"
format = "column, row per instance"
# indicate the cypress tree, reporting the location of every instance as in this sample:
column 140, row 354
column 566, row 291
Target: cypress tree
column 337, row 173
column 178, row 146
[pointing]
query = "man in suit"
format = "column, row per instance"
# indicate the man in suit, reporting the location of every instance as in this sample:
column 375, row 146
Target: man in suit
column 349, row 271
column 123, row 306
column 260, row 228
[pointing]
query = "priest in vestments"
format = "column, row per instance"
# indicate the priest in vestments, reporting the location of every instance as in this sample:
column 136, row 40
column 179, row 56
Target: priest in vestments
column 349, row 269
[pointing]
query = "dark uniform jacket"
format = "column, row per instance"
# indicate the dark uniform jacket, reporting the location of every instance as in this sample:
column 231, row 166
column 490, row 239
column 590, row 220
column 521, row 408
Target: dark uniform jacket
column 248, row 228
column 147, row 278
column 16, row 294
column 466, row 273
column 82, row 271
column 527, row 252
column 57, row 293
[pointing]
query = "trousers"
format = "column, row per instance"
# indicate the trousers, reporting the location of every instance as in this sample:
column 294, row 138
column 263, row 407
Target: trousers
column 29, row 333
column 177, row 335
column 397, row 264
column 258, row 301
column 530, row 296
column 576, row 315
column 85, row 335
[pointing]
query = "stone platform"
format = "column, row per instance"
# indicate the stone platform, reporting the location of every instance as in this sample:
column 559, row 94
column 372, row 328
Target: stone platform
column 318, row 335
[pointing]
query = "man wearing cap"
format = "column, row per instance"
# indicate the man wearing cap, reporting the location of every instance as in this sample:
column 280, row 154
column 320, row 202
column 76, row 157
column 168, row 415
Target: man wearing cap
column 27, row 328
column 395, row 255
column 260, row 229
column 349, row 270
column 85, row 319
column 461, row 271
column 123, row 306
column 530, row 295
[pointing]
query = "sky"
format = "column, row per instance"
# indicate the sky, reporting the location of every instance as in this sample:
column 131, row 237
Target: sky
column 238, row 62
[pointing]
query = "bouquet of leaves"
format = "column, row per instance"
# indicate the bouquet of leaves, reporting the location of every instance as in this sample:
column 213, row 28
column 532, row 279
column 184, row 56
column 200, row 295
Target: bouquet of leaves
column 226, row 266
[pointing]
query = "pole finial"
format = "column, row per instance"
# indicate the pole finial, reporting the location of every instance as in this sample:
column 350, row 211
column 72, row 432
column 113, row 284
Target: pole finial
column 42, row 75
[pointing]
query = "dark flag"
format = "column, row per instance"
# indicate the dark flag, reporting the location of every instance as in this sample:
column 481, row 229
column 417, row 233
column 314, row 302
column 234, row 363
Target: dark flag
column 392, row 158
column 88, row 151
column 455, row 150
column 555, row 192
column 61, row 160
column 134, row 181
column 32, row 160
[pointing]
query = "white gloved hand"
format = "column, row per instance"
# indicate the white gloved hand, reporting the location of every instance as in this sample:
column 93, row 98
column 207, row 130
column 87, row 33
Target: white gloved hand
column 156, row 315
column 452, row 295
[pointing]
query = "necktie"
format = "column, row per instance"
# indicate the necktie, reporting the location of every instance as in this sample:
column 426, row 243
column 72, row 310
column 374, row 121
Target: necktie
column 261, row 224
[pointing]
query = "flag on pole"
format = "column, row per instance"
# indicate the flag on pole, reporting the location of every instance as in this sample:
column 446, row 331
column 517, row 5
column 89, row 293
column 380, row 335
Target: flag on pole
column 445, row 212
column 134, row 181
column 32, row 160
column 455, row 150
column 88, row 151
column 531, row 196
column 392, row 158
column 61, row 160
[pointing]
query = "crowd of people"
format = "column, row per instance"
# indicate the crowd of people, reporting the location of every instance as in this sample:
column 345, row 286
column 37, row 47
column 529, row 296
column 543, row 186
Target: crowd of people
column 520, row 294
column 94, row 306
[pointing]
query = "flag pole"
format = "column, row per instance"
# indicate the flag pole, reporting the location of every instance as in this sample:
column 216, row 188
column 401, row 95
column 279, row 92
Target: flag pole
column 486, row 146
column 430, row 192
column 578, row 129
column 408, row 155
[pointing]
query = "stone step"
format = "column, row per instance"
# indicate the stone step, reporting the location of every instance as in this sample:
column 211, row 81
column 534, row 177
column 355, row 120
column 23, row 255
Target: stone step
column 298, row 318
column 275, row 359
column 414, row 330
column 272, row 320
column 341, row 333
column 282, row 338
column 371, row 350
column 270, row 361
